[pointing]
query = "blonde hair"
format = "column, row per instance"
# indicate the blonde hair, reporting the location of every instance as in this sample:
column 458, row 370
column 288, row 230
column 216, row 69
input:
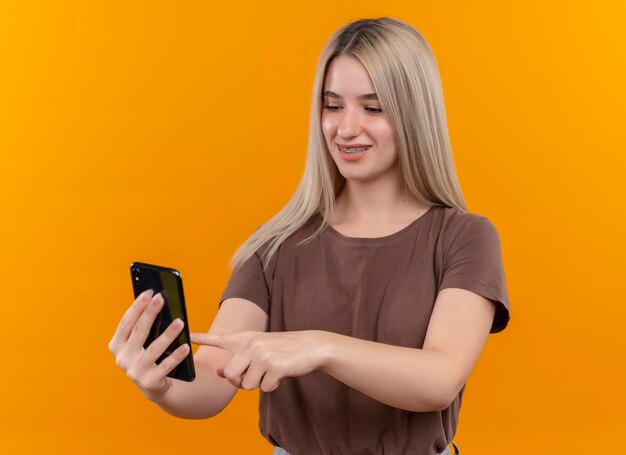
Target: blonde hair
column 404, row 73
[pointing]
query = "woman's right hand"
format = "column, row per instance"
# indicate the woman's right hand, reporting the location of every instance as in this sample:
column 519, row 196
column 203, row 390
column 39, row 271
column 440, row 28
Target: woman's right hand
column 139, row 363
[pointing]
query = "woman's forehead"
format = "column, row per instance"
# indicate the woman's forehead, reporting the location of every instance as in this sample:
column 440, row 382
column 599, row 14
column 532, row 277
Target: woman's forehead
column 347, row 77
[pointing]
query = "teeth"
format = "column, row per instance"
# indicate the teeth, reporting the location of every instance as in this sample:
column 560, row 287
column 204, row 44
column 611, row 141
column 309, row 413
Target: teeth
column 353, row 149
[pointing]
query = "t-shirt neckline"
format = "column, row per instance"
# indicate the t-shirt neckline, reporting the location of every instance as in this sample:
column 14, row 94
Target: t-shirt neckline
column 378, row 240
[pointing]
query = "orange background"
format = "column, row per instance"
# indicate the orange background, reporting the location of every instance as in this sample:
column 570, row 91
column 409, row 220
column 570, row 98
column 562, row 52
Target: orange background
column 166, row 132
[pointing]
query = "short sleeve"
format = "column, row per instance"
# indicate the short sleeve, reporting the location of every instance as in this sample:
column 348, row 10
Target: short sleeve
column 248, row 282
column 473, row 261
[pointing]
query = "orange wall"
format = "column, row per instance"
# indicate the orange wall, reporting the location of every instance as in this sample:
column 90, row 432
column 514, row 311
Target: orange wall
column 165, row 132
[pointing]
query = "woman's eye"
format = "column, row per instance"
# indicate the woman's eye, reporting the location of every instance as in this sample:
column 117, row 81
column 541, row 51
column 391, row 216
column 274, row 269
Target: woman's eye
column 372, row 110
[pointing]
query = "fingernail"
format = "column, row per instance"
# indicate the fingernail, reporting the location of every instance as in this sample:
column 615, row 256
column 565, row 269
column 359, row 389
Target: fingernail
column 146, row 295
column 156, row 300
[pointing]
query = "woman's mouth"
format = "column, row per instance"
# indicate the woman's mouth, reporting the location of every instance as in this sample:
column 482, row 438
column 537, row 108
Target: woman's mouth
column 352, row 153
column 352, row 150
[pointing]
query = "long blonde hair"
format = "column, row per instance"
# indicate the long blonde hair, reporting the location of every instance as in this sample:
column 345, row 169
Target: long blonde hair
column 404, row 73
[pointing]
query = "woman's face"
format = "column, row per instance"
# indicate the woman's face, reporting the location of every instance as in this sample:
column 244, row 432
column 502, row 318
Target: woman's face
column 352, row 117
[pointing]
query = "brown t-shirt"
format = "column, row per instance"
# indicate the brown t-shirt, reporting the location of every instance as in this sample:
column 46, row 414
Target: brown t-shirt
column 379, row 289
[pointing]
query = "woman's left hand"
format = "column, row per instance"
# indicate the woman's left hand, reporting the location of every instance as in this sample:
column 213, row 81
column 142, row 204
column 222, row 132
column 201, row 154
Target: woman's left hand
column 262, row 359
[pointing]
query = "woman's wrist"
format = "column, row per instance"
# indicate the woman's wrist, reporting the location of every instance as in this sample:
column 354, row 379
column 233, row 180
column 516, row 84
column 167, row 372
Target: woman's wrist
column 322, row 347
column 158, row 395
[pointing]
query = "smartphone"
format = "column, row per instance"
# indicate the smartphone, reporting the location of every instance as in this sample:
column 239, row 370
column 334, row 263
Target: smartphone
column 169, row 283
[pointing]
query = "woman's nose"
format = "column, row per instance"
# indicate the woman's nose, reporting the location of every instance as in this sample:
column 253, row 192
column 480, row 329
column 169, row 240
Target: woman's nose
column 348, row 124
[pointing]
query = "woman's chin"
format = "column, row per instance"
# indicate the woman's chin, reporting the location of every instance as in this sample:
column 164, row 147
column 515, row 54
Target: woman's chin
column 361, row 177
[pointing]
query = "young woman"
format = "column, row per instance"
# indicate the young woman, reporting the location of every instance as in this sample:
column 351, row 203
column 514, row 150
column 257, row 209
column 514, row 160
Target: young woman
column 360, row 309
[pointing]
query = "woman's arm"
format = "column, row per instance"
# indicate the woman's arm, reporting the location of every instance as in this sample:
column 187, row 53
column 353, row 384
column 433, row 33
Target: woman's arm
column 418, row 380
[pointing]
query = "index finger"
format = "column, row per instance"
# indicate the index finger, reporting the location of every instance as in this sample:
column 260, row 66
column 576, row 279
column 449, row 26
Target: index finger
column 228, row 342
column 130, row 317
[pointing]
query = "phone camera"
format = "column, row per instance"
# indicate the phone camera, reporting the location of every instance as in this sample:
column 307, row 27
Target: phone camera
column 135, row 272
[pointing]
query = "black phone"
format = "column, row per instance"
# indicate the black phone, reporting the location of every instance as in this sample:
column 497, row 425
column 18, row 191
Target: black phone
column 169, row 283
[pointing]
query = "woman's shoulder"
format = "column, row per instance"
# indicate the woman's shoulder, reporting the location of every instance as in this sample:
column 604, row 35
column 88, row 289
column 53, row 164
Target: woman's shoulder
column 458, row 227
column 305, row 230
column 451, row 221
column 453, row 216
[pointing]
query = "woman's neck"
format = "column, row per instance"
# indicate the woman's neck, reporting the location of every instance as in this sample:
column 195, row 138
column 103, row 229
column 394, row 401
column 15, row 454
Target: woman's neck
column 375, row 203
